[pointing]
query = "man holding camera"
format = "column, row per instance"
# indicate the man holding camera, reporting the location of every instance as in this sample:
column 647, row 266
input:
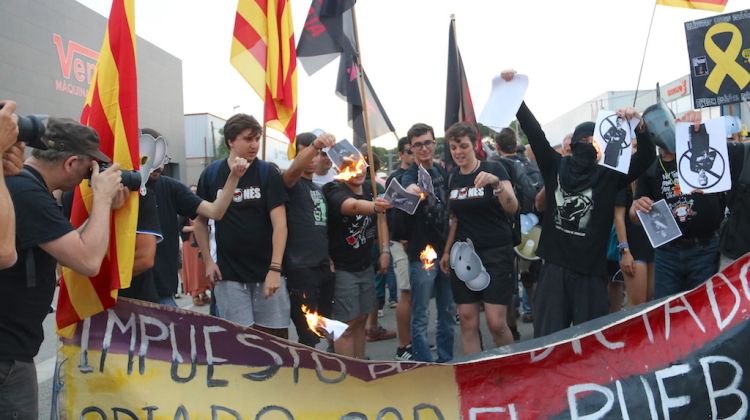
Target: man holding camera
column 8, row 136
column 43, row 238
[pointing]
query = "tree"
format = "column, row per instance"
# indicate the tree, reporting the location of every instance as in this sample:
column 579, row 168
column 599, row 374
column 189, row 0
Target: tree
column 222, row 151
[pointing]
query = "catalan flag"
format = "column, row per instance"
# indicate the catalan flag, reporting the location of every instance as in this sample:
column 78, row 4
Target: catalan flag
column 713, row 5
column 263, row 52
column 111, row 108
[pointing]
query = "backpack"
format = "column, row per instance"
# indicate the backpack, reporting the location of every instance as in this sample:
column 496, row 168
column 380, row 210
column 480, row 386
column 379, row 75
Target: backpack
column 735, row 232
column 523, row 187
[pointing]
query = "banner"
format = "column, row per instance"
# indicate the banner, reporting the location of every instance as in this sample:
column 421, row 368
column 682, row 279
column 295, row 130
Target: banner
column 719, row 49
column 681, row 357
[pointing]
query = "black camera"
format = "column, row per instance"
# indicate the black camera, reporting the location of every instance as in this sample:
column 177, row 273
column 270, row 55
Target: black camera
column 130, row 179
column 31, row 129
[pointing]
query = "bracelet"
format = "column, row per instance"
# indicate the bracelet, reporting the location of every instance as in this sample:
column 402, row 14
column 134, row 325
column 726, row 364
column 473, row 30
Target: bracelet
column 274, row 269
column 622, row 245
column 499, row 190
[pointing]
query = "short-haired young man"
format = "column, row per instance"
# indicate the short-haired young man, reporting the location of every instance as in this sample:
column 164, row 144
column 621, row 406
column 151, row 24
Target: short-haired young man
column 307, row 267
column 251, row 237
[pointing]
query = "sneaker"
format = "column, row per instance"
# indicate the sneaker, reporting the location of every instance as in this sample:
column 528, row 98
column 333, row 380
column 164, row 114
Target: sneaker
column 379, row 333
column 515, row 333
column 392, row 304
column 380, row 313
column 404, row 353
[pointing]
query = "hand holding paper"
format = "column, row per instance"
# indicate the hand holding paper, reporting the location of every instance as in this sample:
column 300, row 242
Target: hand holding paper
column 505, row 98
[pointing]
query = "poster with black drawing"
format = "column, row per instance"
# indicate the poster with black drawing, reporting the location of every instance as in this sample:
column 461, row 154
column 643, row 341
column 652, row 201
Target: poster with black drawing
column 659, row 224
column 343, row 154
column 424, row 180
column 400, row 198
column 613, row 136
column 702, row 162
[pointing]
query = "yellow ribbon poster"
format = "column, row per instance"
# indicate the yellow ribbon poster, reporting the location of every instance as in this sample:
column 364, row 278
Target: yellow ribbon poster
column 719, row 48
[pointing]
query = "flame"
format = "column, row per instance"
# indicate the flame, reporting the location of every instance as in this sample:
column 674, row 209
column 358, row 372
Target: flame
column 422, row 196
column 428, row 257
column 351, row 169
column 314, row 321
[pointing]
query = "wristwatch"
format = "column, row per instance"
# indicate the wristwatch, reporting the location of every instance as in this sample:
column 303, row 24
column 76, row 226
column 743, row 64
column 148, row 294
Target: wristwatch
column 623, row 247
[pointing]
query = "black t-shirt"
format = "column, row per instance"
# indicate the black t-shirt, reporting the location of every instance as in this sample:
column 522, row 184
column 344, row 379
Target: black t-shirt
column 576, row 226
column 306, row 220
column 698, row 215
column 390, row 213
column 480, row 216
column 244, row 235
column 39, row 220
column 173, row 198
column 143, row 286
column 638, row 242
column 350, row 237
column 428, row 225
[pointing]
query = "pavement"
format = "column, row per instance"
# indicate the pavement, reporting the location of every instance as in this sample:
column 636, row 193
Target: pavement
column 379, row 350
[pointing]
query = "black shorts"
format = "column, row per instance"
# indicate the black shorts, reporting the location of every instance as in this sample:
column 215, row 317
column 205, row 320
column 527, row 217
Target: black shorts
column 313, row 287
column 499, row 265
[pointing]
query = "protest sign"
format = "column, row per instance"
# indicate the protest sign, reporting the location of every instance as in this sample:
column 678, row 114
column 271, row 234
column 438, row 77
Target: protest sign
column 702, row 157
column 400, row 198
column 613, row 136
column 660, row 226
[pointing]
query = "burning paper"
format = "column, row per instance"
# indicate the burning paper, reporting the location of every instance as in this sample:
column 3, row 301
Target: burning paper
column 424, row 182
column 400, row 198
column 428, row 257
column 347, row 159
column 322, row 326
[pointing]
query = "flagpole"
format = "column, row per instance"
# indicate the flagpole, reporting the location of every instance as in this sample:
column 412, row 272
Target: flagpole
column 640, row 72
column 458, row 68
column 263, row 133
column 362, row 97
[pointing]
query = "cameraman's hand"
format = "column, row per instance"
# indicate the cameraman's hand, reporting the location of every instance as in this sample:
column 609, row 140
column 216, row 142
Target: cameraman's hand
column 239, row 167
column 8, row 125
column 120, row 197
column 105, row 185
column 13, row 159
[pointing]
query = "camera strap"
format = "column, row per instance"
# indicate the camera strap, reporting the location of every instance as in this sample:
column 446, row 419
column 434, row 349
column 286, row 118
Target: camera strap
column 30, row 259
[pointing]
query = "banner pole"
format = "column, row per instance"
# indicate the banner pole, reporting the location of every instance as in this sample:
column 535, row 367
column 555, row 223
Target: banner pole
column 645, row 47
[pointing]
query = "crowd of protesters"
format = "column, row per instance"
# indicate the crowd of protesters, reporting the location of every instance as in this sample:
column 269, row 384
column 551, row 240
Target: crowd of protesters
column 265, row 246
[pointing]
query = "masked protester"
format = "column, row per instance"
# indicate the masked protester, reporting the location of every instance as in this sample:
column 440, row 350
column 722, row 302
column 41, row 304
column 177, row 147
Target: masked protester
column 580, row 200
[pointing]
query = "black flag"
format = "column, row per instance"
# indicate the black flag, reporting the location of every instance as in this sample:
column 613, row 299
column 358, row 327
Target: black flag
column 347, row 87
column 328, row 32
column 458, row 105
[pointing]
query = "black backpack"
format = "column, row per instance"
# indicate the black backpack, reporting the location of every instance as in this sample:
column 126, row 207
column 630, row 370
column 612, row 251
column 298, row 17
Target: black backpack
column 735, row 233
column 522, row 184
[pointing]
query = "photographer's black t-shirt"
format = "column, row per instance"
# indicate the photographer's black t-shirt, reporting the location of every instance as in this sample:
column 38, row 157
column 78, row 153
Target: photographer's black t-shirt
column 350, row 237
column 39, row 220
column 306, row 220
column 244, row 235
column 480, row 216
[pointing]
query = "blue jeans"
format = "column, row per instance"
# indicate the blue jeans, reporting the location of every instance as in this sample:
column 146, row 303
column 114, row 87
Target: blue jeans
column 390, row 282
column 682, row 268
column 423, row 284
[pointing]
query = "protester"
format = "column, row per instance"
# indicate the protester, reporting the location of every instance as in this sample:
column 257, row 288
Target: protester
column 580, row 198
column 735, row 232
column 400, row 261
column 428, row 226
column 481, row 200
column 8, row 139
column 174, row 199
column 352, row 212
column 307, row 267
column 565, row 148
column 250, row 239
column 636, row 254
column 194, row 281
column 691, row 259
column 44, row 237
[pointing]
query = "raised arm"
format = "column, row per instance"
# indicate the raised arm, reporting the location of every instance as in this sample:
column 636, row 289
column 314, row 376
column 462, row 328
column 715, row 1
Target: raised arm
column 646, row 150
column 8, row 136
column 305, row 157
column 216, row 209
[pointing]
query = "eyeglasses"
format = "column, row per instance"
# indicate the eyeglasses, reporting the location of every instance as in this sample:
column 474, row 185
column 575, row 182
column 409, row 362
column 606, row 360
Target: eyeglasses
column 421, row 144
column 408, row 152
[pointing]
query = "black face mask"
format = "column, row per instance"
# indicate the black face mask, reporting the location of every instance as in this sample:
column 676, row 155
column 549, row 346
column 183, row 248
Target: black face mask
column 577, row 171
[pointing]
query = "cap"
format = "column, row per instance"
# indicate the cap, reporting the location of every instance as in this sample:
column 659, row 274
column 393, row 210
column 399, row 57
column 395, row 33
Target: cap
column 68, row 135
column 583, row 130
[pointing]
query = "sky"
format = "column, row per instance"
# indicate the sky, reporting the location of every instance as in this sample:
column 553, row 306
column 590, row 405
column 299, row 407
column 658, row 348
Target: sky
column 572, row 51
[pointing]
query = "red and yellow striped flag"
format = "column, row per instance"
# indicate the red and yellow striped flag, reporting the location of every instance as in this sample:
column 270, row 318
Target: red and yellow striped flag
column 263, row 52
column 111, row 109
column 713, row 5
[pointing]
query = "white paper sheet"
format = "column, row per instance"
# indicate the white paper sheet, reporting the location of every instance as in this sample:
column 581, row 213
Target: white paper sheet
column 613, row 136
column 400, row 198
column 504, row 101
column 659, row 224
column 702, row 162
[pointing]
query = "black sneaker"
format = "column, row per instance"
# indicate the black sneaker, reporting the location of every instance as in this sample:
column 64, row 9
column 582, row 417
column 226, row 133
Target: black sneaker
column 404, row 353
column 515, row 333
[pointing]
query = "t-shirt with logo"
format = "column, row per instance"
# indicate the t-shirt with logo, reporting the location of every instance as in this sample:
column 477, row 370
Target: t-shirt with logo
column 350, row 237
column 243, row 235
column 480, row 216
column 306, row 220
column 697, row 215
column 577, row 224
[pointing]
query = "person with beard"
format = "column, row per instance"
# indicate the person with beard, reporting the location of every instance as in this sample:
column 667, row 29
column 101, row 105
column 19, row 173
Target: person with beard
column 580, row 201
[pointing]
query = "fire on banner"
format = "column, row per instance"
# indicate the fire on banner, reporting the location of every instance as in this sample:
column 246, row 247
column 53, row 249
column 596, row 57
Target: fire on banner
column 680, row 357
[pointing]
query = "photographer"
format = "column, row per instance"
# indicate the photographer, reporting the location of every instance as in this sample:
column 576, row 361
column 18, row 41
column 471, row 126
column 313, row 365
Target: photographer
column 8, row 135
column 43, row 238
